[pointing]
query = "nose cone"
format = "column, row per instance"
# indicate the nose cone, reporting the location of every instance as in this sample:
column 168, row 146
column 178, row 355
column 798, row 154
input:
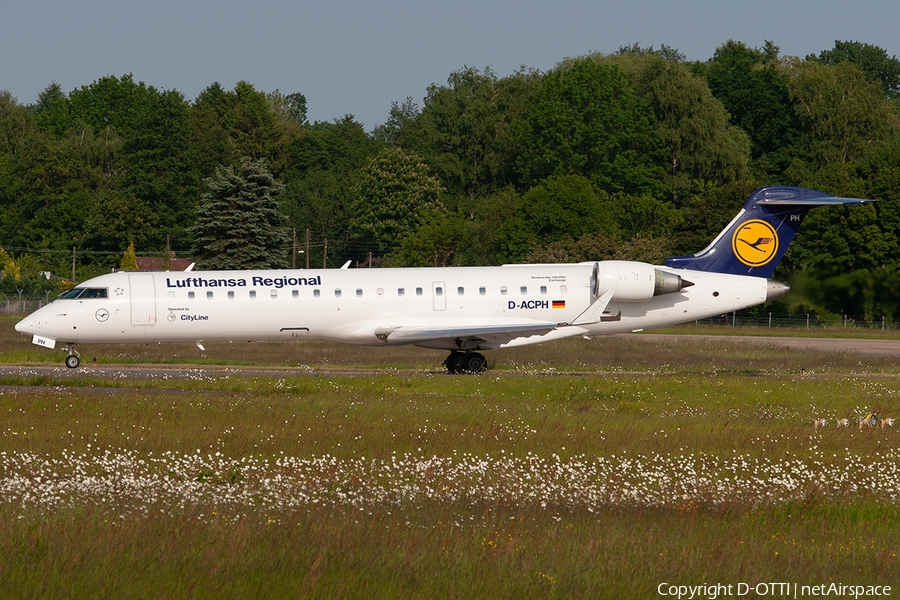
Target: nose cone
column 26, row 325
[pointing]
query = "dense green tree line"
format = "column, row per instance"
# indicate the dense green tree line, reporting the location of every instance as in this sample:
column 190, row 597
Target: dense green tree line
column 639, row 155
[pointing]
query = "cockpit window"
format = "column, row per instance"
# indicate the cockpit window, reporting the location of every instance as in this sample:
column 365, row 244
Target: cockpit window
column 73, row 293
column 94, row 293
column 83, row 293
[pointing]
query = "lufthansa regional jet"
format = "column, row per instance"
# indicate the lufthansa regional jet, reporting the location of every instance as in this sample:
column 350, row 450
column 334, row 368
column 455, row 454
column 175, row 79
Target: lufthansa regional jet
column 465, row 310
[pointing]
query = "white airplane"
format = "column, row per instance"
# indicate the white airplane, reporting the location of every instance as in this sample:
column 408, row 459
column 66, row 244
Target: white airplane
column 461, row 309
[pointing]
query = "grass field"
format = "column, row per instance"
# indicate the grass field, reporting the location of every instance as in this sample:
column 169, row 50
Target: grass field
column 580, row 469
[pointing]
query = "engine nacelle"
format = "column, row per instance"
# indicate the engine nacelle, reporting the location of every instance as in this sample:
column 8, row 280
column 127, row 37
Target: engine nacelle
column 636, row 281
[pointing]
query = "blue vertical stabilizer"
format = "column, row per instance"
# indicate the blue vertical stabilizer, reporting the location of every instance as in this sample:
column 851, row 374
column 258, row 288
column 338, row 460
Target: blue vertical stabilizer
column 754, row 242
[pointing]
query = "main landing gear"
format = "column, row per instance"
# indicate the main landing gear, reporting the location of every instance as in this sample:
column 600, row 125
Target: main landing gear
column 74, row 357
column 465, row 362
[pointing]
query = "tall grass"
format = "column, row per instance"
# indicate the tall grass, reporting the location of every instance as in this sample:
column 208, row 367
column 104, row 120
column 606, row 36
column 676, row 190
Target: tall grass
column 597, row 470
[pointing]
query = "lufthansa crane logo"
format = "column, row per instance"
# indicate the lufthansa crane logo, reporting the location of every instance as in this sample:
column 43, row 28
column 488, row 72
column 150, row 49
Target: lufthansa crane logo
column 755, row 243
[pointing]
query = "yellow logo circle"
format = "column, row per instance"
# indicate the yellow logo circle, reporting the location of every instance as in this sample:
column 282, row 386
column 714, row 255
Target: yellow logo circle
column 755, row 243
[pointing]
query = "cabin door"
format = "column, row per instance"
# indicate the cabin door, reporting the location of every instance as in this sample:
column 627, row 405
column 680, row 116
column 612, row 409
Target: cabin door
column 143, row 298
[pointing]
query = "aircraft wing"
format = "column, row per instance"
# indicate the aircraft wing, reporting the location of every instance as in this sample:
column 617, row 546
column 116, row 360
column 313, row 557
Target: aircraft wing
column 494, row 333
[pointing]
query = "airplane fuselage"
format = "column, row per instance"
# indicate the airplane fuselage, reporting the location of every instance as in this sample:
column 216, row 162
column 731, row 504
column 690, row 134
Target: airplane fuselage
column 365, row 306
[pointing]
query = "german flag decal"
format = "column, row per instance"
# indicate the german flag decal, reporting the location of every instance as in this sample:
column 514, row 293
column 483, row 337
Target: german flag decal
column 559, row 304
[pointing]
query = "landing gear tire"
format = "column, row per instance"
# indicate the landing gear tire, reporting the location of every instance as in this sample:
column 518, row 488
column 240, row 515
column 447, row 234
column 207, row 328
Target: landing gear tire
column 74, row 358
column 465, row 362
column 456, row 362
column 475, row 363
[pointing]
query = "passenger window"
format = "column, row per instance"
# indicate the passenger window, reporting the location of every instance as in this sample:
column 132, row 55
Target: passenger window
column 482, row 291
column 438, row 291
column 231, row 294
column 170, row 295
column 190, row 295
column 381, row 291
column 358, row 292
column 523, row 290
column 273, row 294
column 418, row 291
column 316, row 293
column 543, row 289
column 337, row 293
column 401, row 292
column 461, row 291
column 295, row 293
column 252, row 294
column 502, row 290
column 563, row 289
column 209, row 295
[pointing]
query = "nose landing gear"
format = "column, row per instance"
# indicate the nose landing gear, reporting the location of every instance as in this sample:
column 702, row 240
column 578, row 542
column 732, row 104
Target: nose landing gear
column 74, row 357
column 465, row 362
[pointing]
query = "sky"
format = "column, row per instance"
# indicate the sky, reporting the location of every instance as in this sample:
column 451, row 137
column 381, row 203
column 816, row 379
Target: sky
column 357, row 57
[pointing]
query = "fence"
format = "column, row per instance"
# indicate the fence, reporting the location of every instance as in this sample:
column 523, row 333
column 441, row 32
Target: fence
column 14, row 304
column 810, row 321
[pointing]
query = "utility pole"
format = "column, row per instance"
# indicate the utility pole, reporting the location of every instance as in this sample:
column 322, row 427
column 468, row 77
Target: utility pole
column 307, row 247
column 294, row 251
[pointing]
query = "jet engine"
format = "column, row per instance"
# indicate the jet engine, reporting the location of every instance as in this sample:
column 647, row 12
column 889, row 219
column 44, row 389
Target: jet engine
column 635, row 281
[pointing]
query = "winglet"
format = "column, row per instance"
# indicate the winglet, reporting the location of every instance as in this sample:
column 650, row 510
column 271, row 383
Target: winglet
column 754, row 242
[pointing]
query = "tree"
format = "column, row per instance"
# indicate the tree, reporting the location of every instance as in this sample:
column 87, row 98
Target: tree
column 643, row 216
column 16, row 124
column 595, row 246
column 562, row 209
column 319, row 181
column 8, row 265
column 844, row 115
column 463, row 130
column 54, row 184
column 239, row 224
column 141, row 139
column 129, row 260
column 243, row 122
column 400, row 119
column 586, row 119
column 290, row 108
column 871, row 60
column 434, row 244
column 699, row 145
column 393, row 194
column 52, row 111
column 159, row 169
column 753, row 87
